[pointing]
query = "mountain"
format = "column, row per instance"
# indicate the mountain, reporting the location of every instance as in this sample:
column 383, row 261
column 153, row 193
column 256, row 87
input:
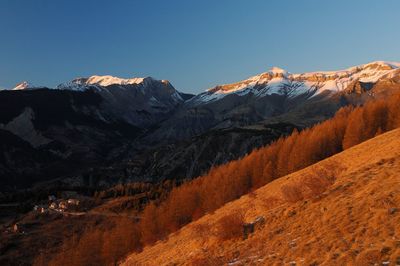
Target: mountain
column 137, row 101
column 279, row 96
column 80, row 124
column 350, row 220
column 150, row 131
column 280, row 82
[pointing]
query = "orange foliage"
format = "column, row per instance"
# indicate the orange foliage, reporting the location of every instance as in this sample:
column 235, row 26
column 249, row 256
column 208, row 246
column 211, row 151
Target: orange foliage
column 350, row 126
column 97, row 246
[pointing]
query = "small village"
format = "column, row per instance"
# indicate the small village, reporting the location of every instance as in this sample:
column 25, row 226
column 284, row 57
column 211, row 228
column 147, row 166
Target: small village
column 57, row 205
column 66, row 207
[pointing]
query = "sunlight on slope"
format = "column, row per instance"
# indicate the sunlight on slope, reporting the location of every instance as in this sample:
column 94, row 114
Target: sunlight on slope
column 350, row 216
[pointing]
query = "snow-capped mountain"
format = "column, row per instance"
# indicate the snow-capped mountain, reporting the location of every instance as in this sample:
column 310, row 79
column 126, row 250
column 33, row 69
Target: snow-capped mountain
column 280, row 82
column 299, row 98
column 25, row 85
column 83, row 122
column 99, row 82
column 110, row 83
column 138, row 101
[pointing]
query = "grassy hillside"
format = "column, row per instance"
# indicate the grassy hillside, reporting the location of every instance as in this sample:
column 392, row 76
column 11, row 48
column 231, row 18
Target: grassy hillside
column 342, row 210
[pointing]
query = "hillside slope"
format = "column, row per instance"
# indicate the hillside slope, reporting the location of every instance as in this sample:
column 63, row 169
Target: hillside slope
column 344, row 210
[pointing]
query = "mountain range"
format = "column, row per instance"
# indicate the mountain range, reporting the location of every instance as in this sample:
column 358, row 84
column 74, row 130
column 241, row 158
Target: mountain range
column 145, row 129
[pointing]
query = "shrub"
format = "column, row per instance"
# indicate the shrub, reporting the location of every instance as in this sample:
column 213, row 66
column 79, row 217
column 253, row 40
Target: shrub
column 317, row 185
column 231, row 226
column 292, row 193
column 201, row 229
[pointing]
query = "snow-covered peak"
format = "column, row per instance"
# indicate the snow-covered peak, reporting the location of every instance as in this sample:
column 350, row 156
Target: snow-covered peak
column 110, row 80
column 111, row 85
column 367, row 69
column 25, row 85
column 381, row 65
column 276, row 70
column 98, row 82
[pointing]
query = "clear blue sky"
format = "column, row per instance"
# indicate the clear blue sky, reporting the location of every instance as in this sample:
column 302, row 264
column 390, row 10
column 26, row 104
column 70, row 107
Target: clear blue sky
column 194, row 44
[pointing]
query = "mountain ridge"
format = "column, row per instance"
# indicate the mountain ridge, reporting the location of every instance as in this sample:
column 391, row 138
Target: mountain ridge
column 158, row 120
column 274, row 72
column 279, row 81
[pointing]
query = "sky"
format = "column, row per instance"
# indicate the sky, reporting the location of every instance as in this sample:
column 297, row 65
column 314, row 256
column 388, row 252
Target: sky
column 194, row 44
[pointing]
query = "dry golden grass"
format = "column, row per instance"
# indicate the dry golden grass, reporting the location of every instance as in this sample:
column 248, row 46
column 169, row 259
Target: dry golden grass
column 344, row 210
